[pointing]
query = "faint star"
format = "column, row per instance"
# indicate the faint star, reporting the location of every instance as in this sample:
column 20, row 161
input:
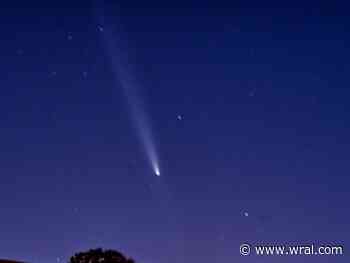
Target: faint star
column 179, row 117
column 53, row 73
column 85, row 74
column 252, row 93
column 236, row 29
column 246, row 214
column 252, row 52
column 19, row 52
column 222, row 237
column 100, row 28
column 69, row 37
column 313, row 99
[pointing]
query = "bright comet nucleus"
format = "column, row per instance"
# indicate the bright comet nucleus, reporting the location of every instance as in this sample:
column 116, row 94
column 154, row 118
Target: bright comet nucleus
column 156, row 171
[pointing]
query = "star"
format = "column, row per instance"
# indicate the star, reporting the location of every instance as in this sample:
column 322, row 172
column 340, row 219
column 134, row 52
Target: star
column 313, row 99
column 19, row 51
column 179, row 117
column 100, row 28
column 252, row 93
column 69, row 37
column 221, row 237
column 85, row 74
column 246, row 214
column 252, row 51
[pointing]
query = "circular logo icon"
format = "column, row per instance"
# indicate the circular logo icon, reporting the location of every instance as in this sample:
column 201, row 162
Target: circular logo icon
column 244, row 249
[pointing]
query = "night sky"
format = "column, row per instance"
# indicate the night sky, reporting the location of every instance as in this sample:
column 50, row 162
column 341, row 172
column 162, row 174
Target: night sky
column 245, row 103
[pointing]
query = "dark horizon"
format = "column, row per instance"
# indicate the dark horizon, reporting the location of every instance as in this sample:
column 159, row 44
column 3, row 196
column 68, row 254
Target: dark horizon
column 10, row 261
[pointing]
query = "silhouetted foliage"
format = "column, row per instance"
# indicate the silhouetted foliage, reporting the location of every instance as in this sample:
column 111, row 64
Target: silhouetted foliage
column 100, row 256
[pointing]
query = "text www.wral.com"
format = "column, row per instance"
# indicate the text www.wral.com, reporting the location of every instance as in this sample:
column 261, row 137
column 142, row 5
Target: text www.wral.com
column 297, row 250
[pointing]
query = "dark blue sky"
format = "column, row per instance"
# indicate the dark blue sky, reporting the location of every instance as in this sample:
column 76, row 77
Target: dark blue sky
column 263, row 92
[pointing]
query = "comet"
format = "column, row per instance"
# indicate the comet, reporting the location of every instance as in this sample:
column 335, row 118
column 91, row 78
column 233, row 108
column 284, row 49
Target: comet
column 123, row 70
column 156, row 171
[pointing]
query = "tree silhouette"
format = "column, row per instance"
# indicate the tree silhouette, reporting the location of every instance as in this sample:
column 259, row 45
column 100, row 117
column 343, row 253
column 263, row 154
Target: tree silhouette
column 100, row 256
